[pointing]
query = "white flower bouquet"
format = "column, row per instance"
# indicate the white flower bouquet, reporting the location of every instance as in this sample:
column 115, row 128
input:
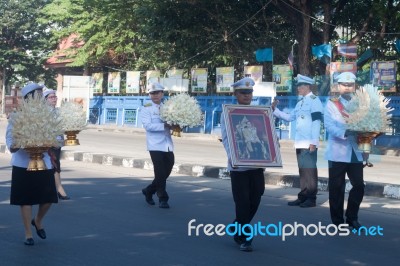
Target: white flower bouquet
column 73, row 116
column 368, row 115
column 181, row 110
column 35, row 125
column 35, row 128
column 74, row 120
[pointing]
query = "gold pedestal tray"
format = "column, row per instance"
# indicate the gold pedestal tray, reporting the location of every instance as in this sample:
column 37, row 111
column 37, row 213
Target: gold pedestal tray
column 176, row 131
column 36, row 162
column 364, row 140
column 71, row 138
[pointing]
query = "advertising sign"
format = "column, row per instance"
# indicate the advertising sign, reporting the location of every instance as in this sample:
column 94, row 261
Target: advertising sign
column 383, row 75
column 282, row 76
column 152, row 76
column 175, row 73
column 254, row 72
column 224, row 79
column 114, row 82
column 96, row 83
column 199, row 80
column 132, row 82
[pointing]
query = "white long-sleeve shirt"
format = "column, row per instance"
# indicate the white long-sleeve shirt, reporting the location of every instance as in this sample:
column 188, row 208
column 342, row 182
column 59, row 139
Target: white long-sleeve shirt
column 158, row 136
column 339, row 147
column 308, row 115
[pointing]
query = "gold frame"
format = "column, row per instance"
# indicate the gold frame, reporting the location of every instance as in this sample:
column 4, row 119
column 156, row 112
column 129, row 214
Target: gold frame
column 252, row 138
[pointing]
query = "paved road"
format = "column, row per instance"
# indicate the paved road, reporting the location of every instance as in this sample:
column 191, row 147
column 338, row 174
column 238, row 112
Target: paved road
column 204, row 149
column 203, row 154
column 107, row 222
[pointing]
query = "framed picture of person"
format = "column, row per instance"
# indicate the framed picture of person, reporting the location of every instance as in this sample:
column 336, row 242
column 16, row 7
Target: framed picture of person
column 251, row 136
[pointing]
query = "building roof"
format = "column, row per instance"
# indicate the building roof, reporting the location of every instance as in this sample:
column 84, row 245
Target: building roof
column 61, row 56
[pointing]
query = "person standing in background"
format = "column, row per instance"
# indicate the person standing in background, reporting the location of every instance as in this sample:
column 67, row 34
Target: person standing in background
column 55, row 152
column 308, row 116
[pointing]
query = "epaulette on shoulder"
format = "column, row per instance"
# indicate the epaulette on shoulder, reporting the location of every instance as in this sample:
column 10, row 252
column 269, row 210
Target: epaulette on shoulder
column 313, row 97
column 148, row 105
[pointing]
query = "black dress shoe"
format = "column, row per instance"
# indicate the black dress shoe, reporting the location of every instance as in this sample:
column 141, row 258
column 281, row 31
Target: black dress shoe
column 29, row 242
column 148, row 197
column 295, row 203
column 355, row 224
column 246, row 246
column 40, row 232
column 61, row 197
column 163, row 205
column 307, row 204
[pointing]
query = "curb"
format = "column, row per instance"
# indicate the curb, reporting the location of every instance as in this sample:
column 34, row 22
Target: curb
column 373, row 189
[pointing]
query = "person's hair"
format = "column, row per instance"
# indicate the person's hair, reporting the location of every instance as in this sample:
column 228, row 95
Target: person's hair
column 31, row 94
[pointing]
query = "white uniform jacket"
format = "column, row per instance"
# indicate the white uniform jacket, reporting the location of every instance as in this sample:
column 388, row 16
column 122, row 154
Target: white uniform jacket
column 339, row 147
column 308, row 115
column 158, row 137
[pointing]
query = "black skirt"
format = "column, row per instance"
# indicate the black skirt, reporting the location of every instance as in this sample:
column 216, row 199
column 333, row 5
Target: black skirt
column 32, row 187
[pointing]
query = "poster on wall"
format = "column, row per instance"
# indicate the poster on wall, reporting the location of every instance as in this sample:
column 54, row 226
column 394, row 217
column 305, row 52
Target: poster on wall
column 282, row 76
column 175, row 84
column 132, row 81
column 152, row 76
column 199, row 80
column 96, row 83
column 254, row 72
column 224, row 79
column 175, row 73
column 265, row 89
column 114, row 81
column 383, row 75
column 76, row 89
column 336, row 68
column 175, row 81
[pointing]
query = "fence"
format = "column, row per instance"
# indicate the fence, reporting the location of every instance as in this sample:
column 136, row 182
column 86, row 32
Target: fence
column 124, row 111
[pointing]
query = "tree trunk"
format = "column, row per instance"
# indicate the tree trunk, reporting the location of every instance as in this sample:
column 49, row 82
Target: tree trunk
column 303, row 36
column 302, row 23
column 327, row 19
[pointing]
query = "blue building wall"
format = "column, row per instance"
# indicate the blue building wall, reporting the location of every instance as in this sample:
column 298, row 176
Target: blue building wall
column 124, row 111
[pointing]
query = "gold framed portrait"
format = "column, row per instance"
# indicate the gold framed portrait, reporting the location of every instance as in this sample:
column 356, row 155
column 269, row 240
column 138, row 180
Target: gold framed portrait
column 251, row 136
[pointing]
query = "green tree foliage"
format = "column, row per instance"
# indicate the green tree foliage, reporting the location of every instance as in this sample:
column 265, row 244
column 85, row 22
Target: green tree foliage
column 106, row 27
column 161, row 34
column 24, row 44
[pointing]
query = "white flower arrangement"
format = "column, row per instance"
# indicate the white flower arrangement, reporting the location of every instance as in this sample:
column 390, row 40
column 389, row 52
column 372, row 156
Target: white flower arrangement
column 35, row 124
column 73, row 116
column 181, row 110
column 368, row 111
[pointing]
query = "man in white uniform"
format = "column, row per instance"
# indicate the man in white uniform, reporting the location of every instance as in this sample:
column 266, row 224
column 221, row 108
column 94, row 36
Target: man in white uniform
column 160, row 146
column 308, row 115
column 343, row 156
